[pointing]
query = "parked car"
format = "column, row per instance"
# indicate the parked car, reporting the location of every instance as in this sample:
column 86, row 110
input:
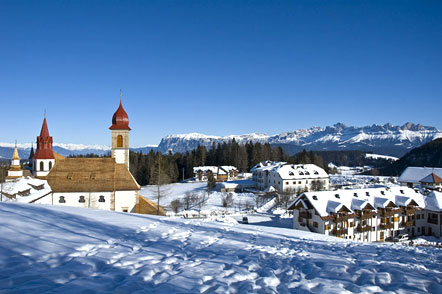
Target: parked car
column 401, row 238
column 245, row 220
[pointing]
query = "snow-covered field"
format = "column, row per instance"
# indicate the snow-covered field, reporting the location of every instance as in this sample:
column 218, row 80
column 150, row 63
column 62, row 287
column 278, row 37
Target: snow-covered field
column 51, row 249
column 214, row 199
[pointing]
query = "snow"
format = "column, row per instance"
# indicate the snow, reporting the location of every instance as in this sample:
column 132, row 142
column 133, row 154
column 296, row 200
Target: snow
column 22, row 184
column 378, row 156
column 179, row 190
column 75, row 250
column 72, row 147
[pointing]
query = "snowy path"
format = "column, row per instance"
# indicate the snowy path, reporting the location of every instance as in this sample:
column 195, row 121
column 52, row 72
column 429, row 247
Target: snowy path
column 47, row 249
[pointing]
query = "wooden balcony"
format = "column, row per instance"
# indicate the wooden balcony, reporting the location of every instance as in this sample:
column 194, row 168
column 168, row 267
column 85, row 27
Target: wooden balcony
column 386, row 226
column 388, row 212
column 366, row 215
column 409, row 223
column 432, row 221
column 363, row 229
column 409, row 210
column 305, row 214
column 341, row 218
column 340, row 232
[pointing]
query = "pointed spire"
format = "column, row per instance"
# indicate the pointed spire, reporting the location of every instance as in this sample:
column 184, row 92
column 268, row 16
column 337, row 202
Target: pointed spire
column 44, row 129
column 15, row 154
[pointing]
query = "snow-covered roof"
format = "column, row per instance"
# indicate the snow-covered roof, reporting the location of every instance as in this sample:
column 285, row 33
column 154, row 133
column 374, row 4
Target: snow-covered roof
column 215, row 169
column 267, row 165
column 431, row 178
column 300, row 171
column 23, row 184
column 326, row 202
column 433, row 201
column 414, row 174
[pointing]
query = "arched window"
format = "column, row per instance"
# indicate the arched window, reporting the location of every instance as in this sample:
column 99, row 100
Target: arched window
column 41, row 165
column 62, row 200
column 50, row 164
column 81, row 200
column 119, row 141
column 101, row 199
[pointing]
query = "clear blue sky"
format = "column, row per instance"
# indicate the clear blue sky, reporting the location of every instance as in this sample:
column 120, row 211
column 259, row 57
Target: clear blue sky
column 216, row 67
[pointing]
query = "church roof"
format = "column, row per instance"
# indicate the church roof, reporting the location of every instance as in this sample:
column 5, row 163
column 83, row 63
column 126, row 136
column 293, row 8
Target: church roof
column 120, row 120
column 90, row 175
column 44, row 143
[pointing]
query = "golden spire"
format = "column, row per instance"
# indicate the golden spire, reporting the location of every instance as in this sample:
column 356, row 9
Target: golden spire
column 15, row 154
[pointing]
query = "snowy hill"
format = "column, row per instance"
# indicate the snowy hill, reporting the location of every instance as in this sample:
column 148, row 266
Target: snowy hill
column 72, row 250
column 384, row 139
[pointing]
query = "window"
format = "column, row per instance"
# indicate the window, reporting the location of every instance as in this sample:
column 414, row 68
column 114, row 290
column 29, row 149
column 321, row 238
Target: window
column 286, row 183
column 315, row 197
column 352, row 224
column 367, row 193
column 315, row 224
column 418, row 216
column 119, row 141
column 41, row 165
column 124, row 209
column 294, row 182
column 402, row 191
column 101, row 199
column 337, row 196
column 50, row 164
column 355, row 194
column 299, row 182
column 383, row 192
column 306, row 181
column 81, row 200
column 61, row 200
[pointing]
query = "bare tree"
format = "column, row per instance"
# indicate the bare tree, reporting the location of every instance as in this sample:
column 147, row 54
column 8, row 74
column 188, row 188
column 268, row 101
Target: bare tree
column 187, row 200
column 284, row 199
column 249, row 205
column 201, row 200
column 317, row 185
column 175, row 205
column 227, row 200
column 161, row 180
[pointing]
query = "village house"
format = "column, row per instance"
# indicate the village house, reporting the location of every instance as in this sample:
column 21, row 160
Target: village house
column 426, row 177
column 290, row 178
column 220, row 173
column 372, row 214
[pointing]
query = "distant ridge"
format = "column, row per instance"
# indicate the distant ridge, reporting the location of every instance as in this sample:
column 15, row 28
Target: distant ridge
column 384, row 139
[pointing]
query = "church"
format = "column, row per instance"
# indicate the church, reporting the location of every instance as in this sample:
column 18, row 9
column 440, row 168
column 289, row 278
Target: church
column 100, row 183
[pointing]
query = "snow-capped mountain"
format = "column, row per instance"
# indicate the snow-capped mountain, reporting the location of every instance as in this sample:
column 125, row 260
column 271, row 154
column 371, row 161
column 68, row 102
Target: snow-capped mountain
column 383, row 139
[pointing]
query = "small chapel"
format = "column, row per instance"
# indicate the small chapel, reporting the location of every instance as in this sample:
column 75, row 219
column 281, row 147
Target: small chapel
column 101, row 183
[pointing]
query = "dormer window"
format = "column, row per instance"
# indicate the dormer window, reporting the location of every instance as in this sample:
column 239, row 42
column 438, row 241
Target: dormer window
column 367, row 193
column 402, row 191
column 316, row 172
column 81, row 200
column 383, row 192
column 315, row 197
column 62, row 200
column 355, row 194
column 337, row 196
column 101, row 199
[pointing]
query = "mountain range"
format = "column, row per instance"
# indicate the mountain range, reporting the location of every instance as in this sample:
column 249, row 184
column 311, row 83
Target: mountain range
column 384, row 139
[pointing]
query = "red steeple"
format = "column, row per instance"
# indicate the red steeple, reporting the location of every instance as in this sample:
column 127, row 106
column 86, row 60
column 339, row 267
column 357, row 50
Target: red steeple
column 44, row 144
column 120, row 120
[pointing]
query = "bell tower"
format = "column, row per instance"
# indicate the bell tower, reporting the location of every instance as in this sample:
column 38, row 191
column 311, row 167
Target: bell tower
column 120, row 135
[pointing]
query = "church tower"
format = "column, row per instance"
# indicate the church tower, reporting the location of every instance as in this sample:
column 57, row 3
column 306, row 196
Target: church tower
column 43, row 159
column 120, row 136
column 15, row 170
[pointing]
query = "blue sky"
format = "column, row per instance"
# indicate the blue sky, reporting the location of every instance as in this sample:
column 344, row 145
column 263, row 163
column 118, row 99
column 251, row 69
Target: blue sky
column 216, row 67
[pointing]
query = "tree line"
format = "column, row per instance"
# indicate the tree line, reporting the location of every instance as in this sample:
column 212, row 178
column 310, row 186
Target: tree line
column 179, row 166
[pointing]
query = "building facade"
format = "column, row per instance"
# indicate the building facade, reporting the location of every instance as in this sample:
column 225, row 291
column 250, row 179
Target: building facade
column 290, row 178
column 416, row 176
column 220, row 173
column 373, row 214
